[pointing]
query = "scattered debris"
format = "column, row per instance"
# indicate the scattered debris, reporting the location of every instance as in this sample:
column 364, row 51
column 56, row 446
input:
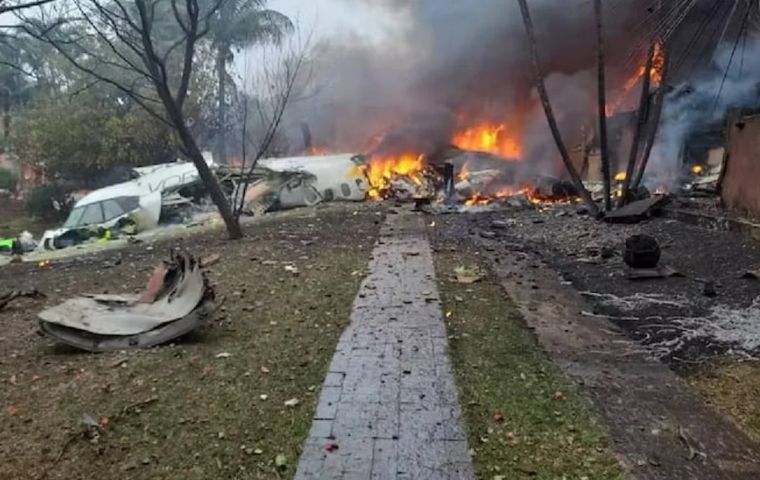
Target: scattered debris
column 99, row 323
column 751, row 274
column 468, row 275
column 691, row 444
column 292, row 403
column 210, row 260
column 281, row 462
column 11, row 296
column 638, row 211
column 638, row 301
column 710, row 289
column 641, row 251
column 659, row 272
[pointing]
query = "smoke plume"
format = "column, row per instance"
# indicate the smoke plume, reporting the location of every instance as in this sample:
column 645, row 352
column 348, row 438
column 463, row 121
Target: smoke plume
column 701, row 104
column 456, row 62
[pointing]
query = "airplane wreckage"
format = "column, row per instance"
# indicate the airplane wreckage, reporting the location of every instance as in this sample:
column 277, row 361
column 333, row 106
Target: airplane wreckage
column 172, row 193
column 178, row 298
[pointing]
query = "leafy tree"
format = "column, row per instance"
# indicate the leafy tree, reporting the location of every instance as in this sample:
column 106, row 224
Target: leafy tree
column 8, row 179
column 236, row 25
column 80, row 141
column 137, row 55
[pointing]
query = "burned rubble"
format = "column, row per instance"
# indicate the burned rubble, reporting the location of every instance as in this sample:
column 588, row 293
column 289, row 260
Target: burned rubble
column 698, row 303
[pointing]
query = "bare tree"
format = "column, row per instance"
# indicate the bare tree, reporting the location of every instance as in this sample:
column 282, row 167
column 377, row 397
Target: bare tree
column 146, row 50
column 274, row 89
column 7, row 6
column 544, row 95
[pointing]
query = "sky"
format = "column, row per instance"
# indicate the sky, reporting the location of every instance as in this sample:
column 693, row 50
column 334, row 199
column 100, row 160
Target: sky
column 324, row 20
column 337, row 18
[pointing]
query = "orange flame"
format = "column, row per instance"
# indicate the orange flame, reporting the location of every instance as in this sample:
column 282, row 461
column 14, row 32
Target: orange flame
column 464, row 174
column 381, row 170
column 528, row 191
column 490, row 138
column 656, row 73
column 315, row 151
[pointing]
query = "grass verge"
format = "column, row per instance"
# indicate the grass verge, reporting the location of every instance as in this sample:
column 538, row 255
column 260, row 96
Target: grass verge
column 211, row 406
column 733, row 388
column 524, row 419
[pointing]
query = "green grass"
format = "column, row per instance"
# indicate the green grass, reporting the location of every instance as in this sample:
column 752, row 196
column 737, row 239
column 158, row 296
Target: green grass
column 733, row 387
column 185, row 412
column 523, row 417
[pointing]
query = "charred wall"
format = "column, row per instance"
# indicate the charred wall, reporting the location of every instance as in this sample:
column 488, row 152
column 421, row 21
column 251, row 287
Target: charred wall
column 739, row 188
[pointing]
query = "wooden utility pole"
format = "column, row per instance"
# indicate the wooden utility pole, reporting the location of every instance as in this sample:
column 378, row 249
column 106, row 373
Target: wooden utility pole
column 602, row 85
column 654, row 124
column 544, row 95
column 643, row 115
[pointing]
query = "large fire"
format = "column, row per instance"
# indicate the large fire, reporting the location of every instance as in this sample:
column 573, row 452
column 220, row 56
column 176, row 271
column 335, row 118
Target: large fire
column 382, row 170
column 490, row 138
column 658, row 66
column 528, row 192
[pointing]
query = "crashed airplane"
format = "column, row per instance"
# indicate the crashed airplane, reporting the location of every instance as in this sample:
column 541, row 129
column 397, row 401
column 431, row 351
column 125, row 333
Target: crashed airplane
column 134, row 206
column 155, row 191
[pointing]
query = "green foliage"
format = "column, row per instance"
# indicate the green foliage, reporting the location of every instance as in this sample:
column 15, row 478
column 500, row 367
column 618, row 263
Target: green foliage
column 50, row 202
column 8, row 179
column 78, row 141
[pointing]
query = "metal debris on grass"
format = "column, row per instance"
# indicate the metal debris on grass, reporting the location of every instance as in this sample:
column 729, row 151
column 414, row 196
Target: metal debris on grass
column 176, row 300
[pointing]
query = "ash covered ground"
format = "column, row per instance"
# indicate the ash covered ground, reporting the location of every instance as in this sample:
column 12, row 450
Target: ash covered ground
column 709, row 310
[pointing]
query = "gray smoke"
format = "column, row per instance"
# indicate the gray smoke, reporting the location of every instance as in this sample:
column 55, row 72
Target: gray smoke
column 702, row 104
column 462, row 58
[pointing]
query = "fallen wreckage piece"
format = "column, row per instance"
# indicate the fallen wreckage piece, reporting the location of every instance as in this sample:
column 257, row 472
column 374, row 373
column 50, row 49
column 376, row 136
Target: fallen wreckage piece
column 176, row 300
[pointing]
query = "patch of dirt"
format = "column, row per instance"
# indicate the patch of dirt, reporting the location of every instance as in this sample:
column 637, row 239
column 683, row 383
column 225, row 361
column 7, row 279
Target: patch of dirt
column 212, row 405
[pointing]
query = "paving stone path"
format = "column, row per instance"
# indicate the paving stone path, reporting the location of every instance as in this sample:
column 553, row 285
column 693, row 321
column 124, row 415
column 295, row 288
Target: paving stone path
column 389, row 402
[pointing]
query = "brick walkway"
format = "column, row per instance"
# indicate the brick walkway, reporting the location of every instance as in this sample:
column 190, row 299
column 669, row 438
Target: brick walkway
column 389, row 402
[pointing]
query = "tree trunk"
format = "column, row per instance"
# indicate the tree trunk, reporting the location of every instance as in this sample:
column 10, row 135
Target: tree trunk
column 643, row 115
column 221, row 72
column 602, row 86
column 190, row 148
column 6, row 115
column 210, row 182
column 544, row 95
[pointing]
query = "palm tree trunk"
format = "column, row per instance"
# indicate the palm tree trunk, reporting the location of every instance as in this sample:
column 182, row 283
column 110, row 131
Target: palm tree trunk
column 221, row 72
column 544, row 95
column 643, row 115
column 602, row 87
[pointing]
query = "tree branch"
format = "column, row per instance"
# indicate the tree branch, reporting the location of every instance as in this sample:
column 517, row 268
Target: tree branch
column 22, row 6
